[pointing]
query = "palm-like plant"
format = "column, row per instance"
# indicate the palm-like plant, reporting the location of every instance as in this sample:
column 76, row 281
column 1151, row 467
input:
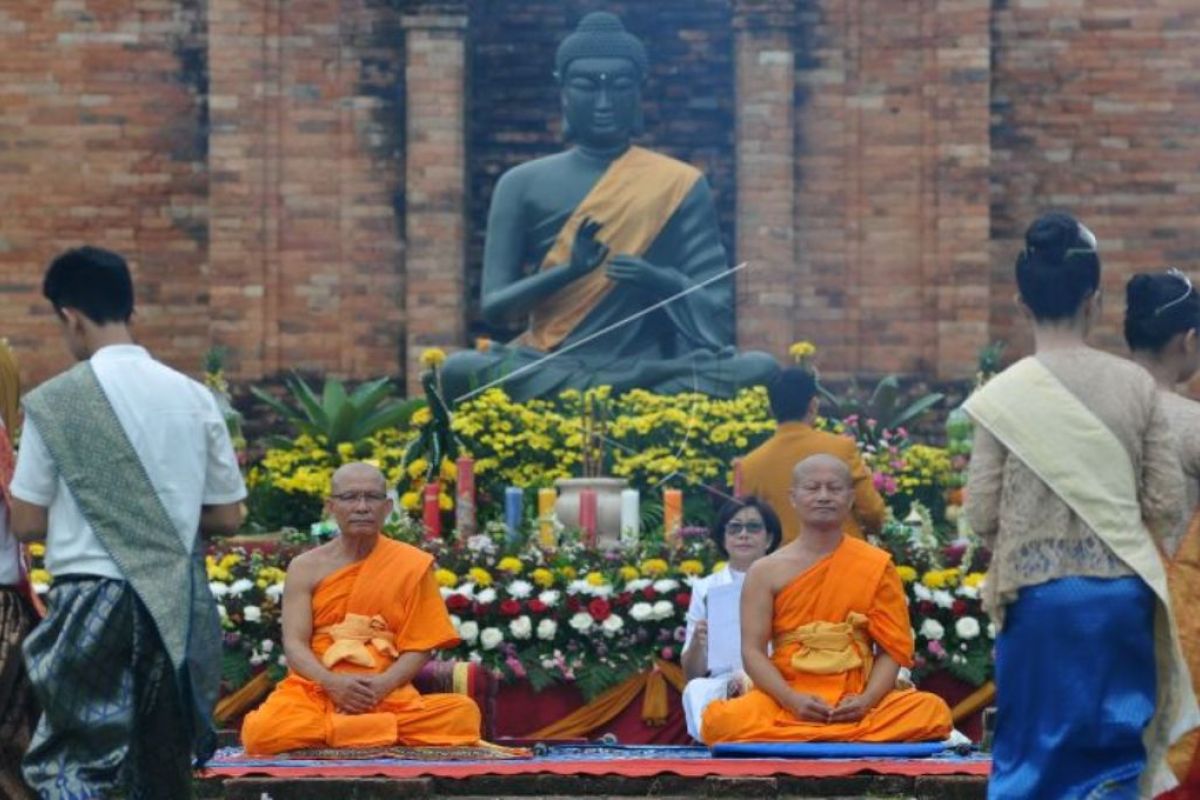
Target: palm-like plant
column 885, row 404
column 336, row 416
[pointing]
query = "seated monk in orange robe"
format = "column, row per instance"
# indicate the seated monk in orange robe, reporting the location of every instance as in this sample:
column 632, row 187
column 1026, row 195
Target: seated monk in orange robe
column 360, row 617
column 833, row 608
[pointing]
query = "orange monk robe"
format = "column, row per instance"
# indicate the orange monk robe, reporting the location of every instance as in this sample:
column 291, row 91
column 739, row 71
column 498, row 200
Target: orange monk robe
column 396, row 583
column 1183, row 579
column 767, row 474
column 854, row 582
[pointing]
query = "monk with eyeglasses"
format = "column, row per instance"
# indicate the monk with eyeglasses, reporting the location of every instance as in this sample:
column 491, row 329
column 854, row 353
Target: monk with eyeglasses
column 361, row 616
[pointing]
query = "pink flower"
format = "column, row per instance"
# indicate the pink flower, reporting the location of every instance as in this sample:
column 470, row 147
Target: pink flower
column 514, row 664
column 935, row 649
column 668, row 653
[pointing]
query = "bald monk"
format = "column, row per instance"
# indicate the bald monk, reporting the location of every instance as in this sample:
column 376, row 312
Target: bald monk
column 833, row 608
column 767, row 470
column 360, row 617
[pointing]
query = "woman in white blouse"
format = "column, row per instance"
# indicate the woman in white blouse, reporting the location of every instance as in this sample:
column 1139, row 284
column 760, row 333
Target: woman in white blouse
column 745, row 531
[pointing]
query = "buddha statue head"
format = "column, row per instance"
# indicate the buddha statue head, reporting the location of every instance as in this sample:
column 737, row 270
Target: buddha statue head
column 601, row 68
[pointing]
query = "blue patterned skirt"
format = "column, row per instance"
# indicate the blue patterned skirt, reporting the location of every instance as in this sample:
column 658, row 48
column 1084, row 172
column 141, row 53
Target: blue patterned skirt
column 1075, row 689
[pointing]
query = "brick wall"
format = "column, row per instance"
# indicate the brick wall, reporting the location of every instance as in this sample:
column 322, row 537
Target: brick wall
column 877, row 161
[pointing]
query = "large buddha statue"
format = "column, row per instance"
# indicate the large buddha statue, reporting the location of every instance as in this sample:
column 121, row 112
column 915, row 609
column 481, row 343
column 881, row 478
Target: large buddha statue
column 580, row 241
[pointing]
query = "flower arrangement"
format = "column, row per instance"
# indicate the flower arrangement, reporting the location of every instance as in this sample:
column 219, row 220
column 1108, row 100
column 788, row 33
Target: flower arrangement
column 248, row 587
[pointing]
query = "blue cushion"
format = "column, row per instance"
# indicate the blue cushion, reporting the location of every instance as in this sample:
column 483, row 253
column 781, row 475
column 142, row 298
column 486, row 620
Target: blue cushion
column 827, row 749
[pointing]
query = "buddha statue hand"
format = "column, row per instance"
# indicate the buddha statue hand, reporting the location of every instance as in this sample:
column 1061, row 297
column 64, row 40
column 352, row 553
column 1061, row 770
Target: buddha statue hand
column 634, row 271
column 587, row 252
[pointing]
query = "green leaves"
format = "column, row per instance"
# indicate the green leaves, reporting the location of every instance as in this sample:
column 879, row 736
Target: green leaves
column 883, row 404
column 336, row 416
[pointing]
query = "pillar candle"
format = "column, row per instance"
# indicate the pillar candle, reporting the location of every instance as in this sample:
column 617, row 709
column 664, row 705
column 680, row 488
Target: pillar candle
column 672, row 514
column 631, row 518
column 513, row 500
column 546, row 498
column 587, row 516
column 464, row 499
column 739, row 484
column 433, row 512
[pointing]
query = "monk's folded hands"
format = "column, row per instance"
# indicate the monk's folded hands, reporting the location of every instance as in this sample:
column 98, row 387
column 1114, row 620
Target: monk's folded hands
column 808, row 707
column 350, row 694
column 852, row 708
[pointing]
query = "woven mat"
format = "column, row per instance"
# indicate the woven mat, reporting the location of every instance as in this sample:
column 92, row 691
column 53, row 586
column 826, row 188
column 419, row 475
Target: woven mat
column 474, row 753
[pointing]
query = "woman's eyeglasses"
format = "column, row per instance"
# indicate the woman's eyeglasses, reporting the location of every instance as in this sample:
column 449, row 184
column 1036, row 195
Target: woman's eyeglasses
column 734, row 528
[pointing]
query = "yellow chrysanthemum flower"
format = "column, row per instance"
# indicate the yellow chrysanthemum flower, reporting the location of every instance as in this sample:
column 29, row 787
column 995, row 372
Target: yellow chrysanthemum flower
column 480, row 576
column 445, row 577
column 39, row 576
column 410, row 501
column 37, row 549
column 974, row 580
column 421, row 417
column 654, row 567
column 568, row 572
column 906, row 573
column 433, row 357
column 934, row 579
column 802, row 350
column 596, row 579
column 417, row 468
column 629, row 573
column 511, row 565
column 720, row 565
column 445, row 502
column 691, row 567
column 543, row 577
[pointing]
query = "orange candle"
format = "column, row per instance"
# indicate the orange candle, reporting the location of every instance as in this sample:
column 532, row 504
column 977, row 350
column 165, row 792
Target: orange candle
column 672, row 514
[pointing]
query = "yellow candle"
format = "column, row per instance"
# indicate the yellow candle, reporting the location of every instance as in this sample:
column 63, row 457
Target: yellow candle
column 672, row 514
column 546, row 498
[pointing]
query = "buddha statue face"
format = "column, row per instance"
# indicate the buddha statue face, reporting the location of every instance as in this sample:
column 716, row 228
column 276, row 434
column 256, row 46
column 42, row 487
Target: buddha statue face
column 602, row 99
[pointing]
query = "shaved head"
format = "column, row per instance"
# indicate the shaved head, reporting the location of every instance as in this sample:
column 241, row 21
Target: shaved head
column 358, row 470
column 822, row 461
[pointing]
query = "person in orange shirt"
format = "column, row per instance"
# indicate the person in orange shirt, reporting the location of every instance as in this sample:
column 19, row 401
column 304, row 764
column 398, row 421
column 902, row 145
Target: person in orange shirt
column 361, row 616
column 833, row 611
column 767, row 470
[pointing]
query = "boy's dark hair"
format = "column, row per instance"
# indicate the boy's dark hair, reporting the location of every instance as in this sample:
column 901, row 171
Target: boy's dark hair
column 1058, row 269
column 93, row 281
column 769, row 517
column 790, row 393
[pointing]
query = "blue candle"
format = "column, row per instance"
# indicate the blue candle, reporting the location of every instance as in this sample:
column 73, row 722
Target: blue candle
column 513, row 497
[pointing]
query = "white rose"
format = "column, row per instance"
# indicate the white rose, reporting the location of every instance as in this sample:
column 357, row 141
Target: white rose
column 638, row 584
column 663, row 609
column 467, row 590
column 486, row 596
column 267, row 645
column 546, row 629
column 218, row 588
column 967, row 628
column 469, row 631
column 991, row 630
column 490, row 638
column 612, row 625
column 922, row 591
column 550, row 597
column 943, row 599
column 275, row 592
column 582, row 621
column 521, row 627
column 666, row 585
column 641, row 611
column 252, row 613
column 578, row 586
column 932, row 629
column 520, row 589
column 603, row 590
column 241, row 586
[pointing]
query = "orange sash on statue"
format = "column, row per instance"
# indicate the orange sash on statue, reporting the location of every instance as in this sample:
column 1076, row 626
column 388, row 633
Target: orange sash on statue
column 633, row 201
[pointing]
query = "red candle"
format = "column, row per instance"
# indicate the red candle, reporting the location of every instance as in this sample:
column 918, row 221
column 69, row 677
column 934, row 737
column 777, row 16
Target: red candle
column 464, row 501
column 738, row 480
column 433, row 512
column 587, row 516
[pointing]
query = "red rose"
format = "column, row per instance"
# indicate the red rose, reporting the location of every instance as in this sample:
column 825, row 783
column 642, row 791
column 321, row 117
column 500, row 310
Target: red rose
column 510, row 608
column 482, row 609
column 457, row 602
column 599, row 609
column 537, row 606
column 959, row 608
column 649, row 593
column 926, row 608
column 623, row 599
column 683, row 599
column 573, row 604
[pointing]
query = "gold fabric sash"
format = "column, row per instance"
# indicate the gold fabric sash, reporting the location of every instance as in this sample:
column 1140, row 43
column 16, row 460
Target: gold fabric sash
column 350, row 637
column 633, row 200
column 830, row 648
column 1074, row 453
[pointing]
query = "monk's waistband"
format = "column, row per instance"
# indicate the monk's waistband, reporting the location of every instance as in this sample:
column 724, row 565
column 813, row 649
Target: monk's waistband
column 350, row 638
column 828, row 648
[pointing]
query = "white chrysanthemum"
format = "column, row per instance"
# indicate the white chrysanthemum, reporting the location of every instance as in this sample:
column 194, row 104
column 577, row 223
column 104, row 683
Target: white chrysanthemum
column 932, row 629
column 469, row 631
column 943, row 599
column 547, row 629
column 612, row 625
column 490, row 638
column 967, row 628
column 664, row 609
column 666, row 585
column 521, row 627
column 218, row 588
column 637, row 584
column 241, row 586
column 275, row 592
column 550, row 597
column 991, row 630
column 267, row 646
column 252, row 613
column 488, row 595
column 921, row 591
column 641, row 612
column 581, row 621
column 520, row 589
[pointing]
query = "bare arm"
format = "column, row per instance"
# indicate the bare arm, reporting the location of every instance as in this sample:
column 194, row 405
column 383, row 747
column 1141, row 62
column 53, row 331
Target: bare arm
column 28, row 521
column 222, row 520
column 401, row 672
column 758, row 608
column 695, row 656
